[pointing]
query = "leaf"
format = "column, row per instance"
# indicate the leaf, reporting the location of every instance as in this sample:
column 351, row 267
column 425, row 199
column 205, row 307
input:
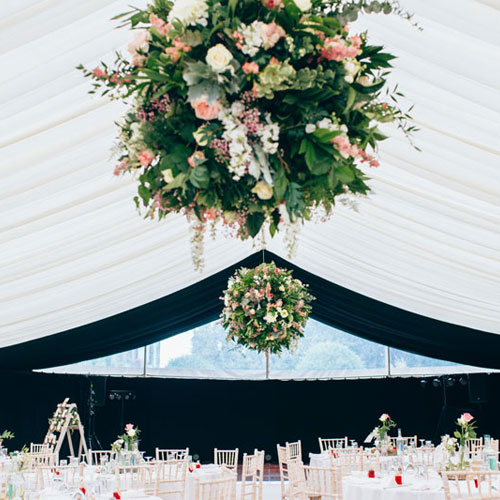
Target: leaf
column 294, row 196
column 144, row 194
column 351, row 96
column 324, row 135
column 232, row 5
column 200, row 177
column 344, row 174
column 179, row 181
column 318, row 161
column 254, row 223
column 280, row 184
column 332, row 179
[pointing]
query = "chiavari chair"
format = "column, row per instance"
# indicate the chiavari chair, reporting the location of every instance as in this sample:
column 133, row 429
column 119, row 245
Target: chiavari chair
column 171, row 479
column 326, row 444
column 252, row 476
column 228, row 458
column 475, row 446
column 100, row 457
column 408, row 441
column 293, row 450
column 471, row 484
column 171, row 454
column 283, row 468
column 223, row 488
column 315, row 482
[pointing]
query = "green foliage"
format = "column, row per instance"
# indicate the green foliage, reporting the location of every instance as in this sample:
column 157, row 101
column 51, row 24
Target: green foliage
column 245, row 104
column 265, row 309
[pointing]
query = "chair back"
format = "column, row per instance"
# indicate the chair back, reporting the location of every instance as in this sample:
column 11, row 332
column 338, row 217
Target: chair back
column 223, row 488
column 252, row 476
column 311, row 482
column 171, row 479
column 293, row 451
column 408, row 441
column 471, row 484
column 164, row 454
column 328, row 443
column 101, row 457
column 283, row 468
column 228, row 458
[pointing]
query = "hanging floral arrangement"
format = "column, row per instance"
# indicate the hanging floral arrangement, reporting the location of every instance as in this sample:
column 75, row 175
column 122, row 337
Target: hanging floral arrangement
column 249, row 112
column 265, row 309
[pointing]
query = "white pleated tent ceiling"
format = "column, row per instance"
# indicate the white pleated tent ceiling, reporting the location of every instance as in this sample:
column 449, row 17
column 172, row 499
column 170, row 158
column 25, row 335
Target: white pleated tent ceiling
column 73, row 249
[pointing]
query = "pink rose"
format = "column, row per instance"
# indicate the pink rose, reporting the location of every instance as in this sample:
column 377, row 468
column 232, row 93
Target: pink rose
column 250, row 67
column 271, row 33
column 146, row 157
column 140, row 42
column 211, row 214
column 205, row 111
column 173, row 53
column 129, row 427
column 384, row 417
column 467, row 417
column 195, row 158
column 99, row 73
column 161, row 26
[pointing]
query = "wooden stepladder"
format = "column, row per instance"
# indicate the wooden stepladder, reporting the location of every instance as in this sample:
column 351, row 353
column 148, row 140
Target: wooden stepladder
column 64, row 421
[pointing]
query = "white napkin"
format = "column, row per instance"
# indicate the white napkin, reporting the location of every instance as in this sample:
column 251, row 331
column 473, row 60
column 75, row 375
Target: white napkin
column 390, row 482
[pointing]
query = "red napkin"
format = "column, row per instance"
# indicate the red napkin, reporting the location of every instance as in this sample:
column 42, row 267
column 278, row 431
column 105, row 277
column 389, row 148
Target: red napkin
column 116, row 495
column 83, row 490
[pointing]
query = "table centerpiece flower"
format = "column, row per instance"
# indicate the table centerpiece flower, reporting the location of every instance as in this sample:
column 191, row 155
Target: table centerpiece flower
column 131, row 437
column 465, row 431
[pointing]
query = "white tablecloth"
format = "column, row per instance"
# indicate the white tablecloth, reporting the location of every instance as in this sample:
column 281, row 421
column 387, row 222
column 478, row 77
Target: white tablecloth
column 364, row 488
column 360, row 487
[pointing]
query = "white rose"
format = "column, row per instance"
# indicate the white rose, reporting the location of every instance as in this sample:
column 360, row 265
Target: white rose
column 284, row 313
column 325, row 123
column 263, row 190
column 218, row 58
column 168, row 176
column 189, row 12
column 237, row 108
column 131, row 432
column 310, row 128
column 303, row 5
column 270, row 317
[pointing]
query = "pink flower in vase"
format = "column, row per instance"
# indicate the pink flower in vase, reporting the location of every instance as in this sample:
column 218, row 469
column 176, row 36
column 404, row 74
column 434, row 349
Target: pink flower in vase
column 205, row 111
column 467, row 417
column 145, row 157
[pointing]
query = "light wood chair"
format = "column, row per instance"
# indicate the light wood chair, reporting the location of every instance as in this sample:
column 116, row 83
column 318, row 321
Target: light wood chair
column 129, row 477
column 252, row 476
column 41, row 448
column 171, row 479
column 347, row 460
column 216, row 489
column 294, row 450
column 315, row 482
column 228, row 458
column 36, row 460
column 409, row 441
column 475, row 446
column 171, row 454
column 471, row 484
column 326, row 444
column 283, row 468
column 100, row 457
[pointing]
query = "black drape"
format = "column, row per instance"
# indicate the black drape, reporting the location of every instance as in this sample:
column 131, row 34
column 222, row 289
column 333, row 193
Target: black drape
column 199, row 303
